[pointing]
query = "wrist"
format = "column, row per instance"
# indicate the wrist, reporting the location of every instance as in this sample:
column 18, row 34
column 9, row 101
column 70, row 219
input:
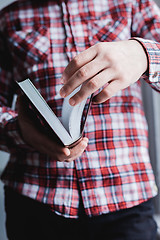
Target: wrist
column 141, row 53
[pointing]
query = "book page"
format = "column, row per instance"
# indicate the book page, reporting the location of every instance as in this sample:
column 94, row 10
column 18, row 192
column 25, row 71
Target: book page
column 72, row 115
column 67, row 110
column 75, row 120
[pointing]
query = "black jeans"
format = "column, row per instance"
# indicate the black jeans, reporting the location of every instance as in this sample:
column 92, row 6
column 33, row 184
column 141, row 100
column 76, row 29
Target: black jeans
column 27, row 219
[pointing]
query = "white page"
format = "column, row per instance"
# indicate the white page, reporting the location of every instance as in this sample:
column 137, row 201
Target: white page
column 67, row 110
column 75, row 120
column 71, row 115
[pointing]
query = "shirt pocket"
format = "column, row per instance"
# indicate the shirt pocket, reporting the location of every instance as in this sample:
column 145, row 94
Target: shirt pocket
column 30, row 46
column 107, row 29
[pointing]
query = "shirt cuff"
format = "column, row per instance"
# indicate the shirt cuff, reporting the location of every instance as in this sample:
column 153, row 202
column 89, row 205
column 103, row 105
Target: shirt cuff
column 152, row 50
column 14, row 137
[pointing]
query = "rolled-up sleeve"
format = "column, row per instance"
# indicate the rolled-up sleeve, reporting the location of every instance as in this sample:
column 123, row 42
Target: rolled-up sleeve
column 146, row 30
column 9, row 130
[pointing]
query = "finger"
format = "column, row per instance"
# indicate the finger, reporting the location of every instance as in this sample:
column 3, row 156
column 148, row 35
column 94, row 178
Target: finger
column 109, row 91
column 92, row 86
column 79, row 61
column 49, row 149
column 79, row 147
column 83, row 74
column 77, row 150
column 49, row 146
column 57, row 155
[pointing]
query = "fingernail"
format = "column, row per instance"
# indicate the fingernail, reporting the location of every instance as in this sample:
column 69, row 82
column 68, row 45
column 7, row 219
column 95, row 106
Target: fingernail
column 67, row 152
column 62, row 93
column 86, row 140
column 72, row 102
column 85, row 145
column 63, row 80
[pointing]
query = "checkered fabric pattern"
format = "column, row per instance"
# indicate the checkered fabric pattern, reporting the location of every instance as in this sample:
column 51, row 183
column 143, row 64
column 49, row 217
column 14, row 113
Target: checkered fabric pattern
column 37, row 40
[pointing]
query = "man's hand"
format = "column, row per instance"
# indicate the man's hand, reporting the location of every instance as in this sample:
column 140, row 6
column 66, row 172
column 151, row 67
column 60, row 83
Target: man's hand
column 41, row 142
column 112, row 66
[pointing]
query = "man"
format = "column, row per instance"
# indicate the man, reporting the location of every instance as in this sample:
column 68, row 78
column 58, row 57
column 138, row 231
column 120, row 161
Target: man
column 104, row 185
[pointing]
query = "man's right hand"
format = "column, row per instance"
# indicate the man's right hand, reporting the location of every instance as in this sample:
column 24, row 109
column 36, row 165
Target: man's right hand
column 43, row 143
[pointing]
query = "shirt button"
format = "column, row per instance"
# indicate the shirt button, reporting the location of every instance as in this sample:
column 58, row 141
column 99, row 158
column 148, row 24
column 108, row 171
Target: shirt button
column 29, row 34
column 109, row 23
column 105, row 208
column 155, row 75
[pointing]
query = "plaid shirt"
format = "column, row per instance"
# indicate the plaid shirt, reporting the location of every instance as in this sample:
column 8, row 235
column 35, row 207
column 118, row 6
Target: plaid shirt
column 37, row 40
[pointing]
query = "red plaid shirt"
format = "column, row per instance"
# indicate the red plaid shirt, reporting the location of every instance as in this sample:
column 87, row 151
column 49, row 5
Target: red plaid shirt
column 38, row 39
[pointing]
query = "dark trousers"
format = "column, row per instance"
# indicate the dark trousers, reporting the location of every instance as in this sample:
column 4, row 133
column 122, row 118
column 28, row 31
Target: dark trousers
column 27, row 219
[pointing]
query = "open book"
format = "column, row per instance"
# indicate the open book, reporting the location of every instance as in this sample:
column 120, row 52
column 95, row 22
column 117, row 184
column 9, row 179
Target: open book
column 70, row 127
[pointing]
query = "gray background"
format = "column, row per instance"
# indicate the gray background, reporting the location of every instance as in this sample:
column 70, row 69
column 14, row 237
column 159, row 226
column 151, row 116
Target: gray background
column 151, row 104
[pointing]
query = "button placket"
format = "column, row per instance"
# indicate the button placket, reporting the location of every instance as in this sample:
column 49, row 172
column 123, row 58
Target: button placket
column 70, row 48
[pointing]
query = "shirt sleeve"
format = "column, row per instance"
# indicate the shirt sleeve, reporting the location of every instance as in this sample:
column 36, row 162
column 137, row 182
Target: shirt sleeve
column 146, row 30
column 10, row 137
